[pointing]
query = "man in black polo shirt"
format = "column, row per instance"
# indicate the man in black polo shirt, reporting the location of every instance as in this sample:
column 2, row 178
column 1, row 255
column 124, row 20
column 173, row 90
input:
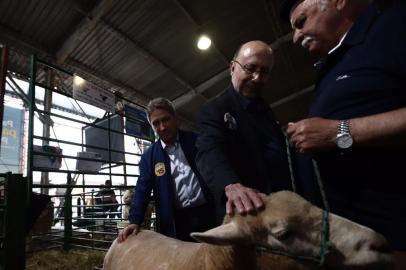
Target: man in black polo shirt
column 356, row 130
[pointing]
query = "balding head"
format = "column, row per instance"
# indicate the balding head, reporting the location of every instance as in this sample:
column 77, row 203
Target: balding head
column 250, row 68
column 257, row 47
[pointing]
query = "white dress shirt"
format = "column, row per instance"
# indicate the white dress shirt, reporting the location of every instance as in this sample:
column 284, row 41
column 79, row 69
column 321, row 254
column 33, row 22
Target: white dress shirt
column 188, row 192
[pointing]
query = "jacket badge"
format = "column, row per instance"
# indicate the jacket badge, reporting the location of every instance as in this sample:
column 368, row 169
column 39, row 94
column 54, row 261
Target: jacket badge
column 160, row 169
column 230, row 121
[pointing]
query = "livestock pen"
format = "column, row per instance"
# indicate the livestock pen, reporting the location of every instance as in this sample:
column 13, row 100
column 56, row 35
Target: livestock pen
column 76, row 238
column 68, row 150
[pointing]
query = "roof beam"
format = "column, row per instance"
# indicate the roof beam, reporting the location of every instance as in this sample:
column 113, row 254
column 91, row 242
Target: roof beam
column 198, row 25
column 12, row 38
column 200, row 89
column 96, row 18
column 146, row 53
column 137, row 97
column 82, row 31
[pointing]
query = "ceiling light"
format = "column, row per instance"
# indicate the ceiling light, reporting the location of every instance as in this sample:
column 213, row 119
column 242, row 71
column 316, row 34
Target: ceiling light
column 78, row 81
column 204, row 42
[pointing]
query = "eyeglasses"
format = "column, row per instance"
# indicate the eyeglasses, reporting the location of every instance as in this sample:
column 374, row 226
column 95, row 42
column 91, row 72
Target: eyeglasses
column 252, row 69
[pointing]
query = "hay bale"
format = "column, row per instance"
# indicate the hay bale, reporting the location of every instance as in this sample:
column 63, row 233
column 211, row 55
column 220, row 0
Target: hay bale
column 58, row 259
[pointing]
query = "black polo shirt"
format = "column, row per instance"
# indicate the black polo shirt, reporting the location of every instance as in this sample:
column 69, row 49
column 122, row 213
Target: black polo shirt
column 366, row 75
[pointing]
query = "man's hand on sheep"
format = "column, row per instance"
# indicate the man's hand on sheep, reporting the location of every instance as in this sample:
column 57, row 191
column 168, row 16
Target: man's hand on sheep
column 127, row 231
column 245, row 199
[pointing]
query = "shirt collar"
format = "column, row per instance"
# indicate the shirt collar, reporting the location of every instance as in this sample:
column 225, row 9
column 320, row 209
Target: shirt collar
column 362, row 25
column 357, row 32
column 164, row 145
column 338, row 45
column 246, row 103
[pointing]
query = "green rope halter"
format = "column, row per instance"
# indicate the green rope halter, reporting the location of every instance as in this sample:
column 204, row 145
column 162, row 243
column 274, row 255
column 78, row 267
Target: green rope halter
column 325, row 245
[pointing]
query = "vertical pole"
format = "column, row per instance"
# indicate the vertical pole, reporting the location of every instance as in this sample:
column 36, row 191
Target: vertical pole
column 3, row 73
column 124, row 159
column 109, row 130
column 83, row 176
column 68, row 215
column 31, row 95
column 46, row 130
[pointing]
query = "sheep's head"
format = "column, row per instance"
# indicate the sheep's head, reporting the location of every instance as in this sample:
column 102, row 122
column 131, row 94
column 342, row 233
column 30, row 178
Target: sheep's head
column 127, row 196
column 291, row 224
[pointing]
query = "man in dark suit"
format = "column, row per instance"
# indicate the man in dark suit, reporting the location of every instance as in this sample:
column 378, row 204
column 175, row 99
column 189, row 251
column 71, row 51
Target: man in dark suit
column 168, row 168
column 242, row 151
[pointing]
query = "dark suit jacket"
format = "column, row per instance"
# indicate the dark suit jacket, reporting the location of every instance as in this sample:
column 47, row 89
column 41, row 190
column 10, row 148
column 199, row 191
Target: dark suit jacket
column 229, row 150
column 154, row 177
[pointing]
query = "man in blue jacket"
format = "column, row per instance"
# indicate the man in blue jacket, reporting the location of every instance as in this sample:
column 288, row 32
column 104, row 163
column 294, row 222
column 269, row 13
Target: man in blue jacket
column 168, row 168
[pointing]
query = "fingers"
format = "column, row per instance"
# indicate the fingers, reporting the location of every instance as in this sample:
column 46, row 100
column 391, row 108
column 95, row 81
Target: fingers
column 132, row 229
column 291, row 129
column 242, row 208
column 243, row 204
column 256, row 200
column 121, row 236
column 229, row 208
column 136, row 230
column 245, row 200
column 263, row 196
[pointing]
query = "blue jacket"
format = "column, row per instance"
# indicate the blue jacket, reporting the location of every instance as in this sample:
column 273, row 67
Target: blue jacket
column 155, row 174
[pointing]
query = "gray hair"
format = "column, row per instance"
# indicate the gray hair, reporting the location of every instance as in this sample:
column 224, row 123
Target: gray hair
column 159, row 104
column 322, row 4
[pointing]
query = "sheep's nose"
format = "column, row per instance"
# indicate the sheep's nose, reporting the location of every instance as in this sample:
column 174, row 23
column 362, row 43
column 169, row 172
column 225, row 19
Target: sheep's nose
column 379, row 244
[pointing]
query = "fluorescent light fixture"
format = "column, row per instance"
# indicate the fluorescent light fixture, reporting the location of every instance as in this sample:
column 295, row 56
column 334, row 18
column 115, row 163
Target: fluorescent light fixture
column 204, row 42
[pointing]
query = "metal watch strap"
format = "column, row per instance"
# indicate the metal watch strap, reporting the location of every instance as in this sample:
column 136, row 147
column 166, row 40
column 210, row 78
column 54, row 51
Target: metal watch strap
column 344, row 127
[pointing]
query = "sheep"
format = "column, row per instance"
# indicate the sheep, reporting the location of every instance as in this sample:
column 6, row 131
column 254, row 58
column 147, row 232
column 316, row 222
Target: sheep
column 127, row 200
column 287, row 223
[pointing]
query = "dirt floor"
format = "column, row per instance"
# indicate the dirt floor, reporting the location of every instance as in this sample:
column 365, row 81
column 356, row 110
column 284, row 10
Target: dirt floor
column 57, row 259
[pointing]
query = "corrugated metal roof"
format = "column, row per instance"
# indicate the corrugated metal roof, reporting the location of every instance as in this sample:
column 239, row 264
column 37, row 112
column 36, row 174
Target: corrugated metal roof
column 146, row 48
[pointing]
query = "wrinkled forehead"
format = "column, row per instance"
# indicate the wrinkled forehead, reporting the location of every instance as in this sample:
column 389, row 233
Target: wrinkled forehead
column 255, row 50
column 246, row 52
column 301, row 6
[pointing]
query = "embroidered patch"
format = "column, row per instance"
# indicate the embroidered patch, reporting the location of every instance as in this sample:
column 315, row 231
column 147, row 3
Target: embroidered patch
column 159, row 169
column 230, row 121
column 343, row 77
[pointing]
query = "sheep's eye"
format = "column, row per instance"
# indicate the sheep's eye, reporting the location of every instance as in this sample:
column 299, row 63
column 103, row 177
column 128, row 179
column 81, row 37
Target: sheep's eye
column 282, row 235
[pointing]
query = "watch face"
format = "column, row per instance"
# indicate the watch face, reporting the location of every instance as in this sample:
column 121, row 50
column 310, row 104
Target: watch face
column 344, row 141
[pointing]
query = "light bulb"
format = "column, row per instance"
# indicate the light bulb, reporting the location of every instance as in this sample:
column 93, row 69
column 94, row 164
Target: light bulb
column 204, row 42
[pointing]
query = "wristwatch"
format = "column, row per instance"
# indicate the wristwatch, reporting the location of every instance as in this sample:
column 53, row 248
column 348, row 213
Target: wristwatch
column 344, row 138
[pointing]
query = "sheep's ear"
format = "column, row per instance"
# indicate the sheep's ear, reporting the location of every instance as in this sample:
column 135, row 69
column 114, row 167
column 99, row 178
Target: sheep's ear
column 226, row 234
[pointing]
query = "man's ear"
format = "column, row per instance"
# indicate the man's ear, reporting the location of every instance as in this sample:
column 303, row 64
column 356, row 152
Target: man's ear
column 232, row 66
column 340, row 4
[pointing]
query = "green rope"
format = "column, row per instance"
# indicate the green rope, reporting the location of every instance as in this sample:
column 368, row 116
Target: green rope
column 289, row 155
column 325, row 245
column 321, row 186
